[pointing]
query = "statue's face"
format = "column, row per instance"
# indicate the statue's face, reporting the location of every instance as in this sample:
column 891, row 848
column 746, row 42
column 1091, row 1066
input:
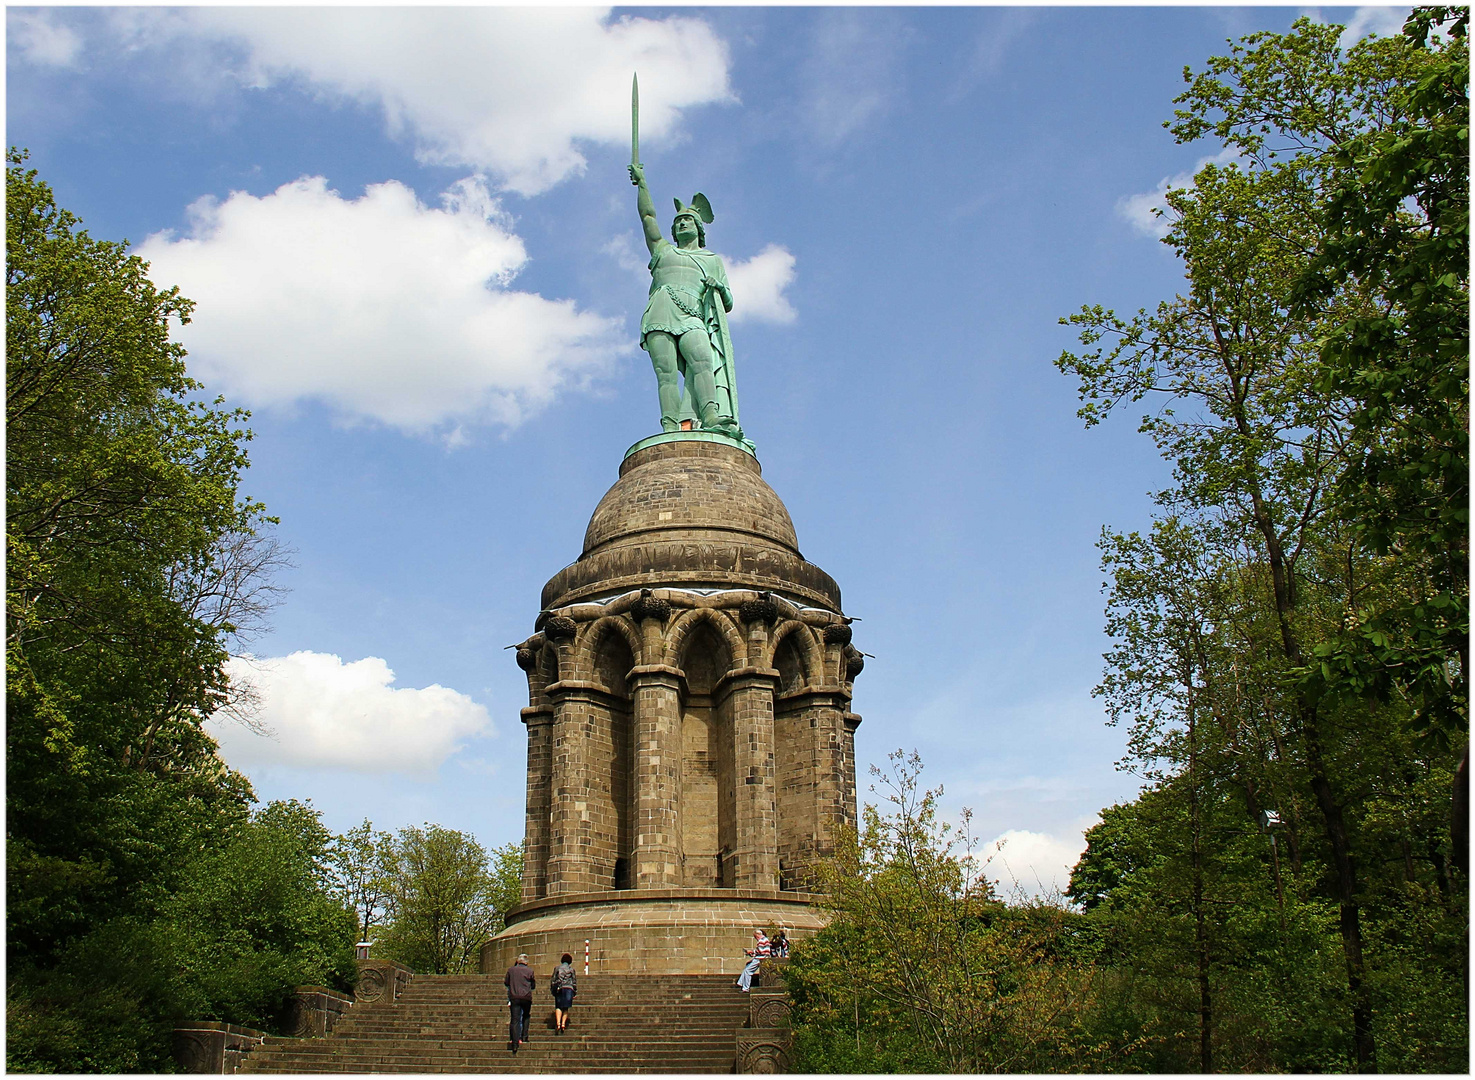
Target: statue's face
column 684, row 228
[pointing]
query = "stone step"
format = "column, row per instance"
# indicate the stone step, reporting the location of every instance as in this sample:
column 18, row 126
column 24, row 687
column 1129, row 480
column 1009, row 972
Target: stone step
column 458, row 1024
column 485, row 1040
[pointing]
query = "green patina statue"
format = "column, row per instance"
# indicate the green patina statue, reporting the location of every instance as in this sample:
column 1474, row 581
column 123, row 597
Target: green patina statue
column 684, row 327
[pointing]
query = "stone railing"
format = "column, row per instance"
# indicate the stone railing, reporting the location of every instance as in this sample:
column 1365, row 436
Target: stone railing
column 313, row 1010
column 381, row 980
column 766, row 1044
column 211, row 1047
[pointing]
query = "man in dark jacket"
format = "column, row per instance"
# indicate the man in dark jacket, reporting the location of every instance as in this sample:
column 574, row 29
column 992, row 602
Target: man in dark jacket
column 520, row 981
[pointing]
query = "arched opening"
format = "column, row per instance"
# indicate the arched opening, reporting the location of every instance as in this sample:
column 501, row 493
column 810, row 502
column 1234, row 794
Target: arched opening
column 707, row 826
column 795, row 764
column 613, row 740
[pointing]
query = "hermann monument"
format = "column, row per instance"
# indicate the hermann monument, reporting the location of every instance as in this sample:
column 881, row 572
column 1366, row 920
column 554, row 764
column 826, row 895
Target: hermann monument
column 690, row 739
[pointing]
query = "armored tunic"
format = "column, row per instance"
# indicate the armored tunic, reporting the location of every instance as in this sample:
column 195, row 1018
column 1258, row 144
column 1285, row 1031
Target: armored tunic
column 678, row 284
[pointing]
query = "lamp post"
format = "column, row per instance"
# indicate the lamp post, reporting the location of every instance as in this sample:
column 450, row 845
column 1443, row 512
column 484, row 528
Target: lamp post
column 1269, row 822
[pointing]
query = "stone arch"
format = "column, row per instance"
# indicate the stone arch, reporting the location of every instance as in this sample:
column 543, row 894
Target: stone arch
column 798, row 731
column 596, row 637
column 605, row 651
column 794, row 635
column 687, row 622
column 706, row 646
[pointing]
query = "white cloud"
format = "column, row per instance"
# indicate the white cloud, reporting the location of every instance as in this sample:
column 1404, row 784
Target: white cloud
column 853, row 73
column 629, row 254
column 758, row 286
column 323, row 713
column 1002, row 28
column 39, row 39
column 1139, row 210
column 1033, row 863
column 510, row 91
column 382, row 307
column 1383, row 21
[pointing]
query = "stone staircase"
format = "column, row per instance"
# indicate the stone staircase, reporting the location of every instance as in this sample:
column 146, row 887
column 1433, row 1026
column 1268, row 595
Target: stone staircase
column 458, row 1024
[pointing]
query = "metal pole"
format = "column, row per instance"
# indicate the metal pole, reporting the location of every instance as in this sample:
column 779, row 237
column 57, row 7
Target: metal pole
column 586, row 956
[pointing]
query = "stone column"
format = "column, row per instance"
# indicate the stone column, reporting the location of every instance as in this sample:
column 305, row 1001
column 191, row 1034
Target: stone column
column 852, row 815
column 655, row 693
column 570, row 868
column 539, row 721
column 749, row 695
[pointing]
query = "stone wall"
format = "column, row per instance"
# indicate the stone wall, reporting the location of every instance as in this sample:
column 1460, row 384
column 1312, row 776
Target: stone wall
column 663, row 931
column 670, row 751
column 688, row 723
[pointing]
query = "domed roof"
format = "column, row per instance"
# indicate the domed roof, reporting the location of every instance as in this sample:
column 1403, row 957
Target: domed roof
column 679, row 489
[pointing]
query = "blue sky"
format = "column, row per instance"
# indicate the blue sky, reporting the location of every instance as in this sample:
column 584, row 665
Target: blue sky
column 416, row 259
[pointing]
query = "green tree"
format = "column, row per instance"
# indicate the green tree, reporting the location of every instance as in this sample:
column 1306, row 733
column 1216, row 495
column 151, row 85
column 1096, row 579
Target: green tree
column 921, row 969
column 362, row 863
column 1397, row 218
column 1255, row 563
column 131, row 563
column 140, row 889
column 251, row 920
column 447, row 898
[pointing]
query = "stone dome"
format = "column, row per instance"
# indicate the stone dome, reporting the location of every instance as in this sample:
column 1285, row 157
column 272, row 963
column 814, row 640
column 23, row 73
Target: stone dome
column 691, row 513
column 676, row 488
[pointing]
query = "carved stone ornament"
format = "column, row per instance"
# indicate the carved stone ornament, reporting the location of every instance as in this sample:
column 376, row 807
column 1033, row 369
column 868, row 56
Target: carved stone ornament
column 371, row 985
column 527, row 659
column 771, row 1012
column 300, row 1020
column 560, row 628
column 192, row 1055
column 837, row 634
column 650, row 607
column 763, row 610
column 764, row 1051
column 854, row 662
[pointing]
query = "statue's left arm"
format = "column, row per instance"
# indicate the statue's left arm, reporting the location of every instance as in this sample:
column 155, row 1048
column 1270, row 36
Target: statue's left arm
column 719, row 282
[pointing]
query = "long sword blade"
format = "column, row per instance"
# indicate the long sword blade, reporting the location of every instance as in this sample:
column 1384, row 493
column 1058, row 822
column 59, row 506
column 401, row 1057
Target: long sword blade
column 635, row 119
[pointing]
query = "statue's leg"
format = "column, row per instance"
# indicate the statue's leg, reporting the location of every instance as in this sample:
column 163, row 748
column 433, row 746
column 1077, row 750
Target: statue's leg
column 664, row 357
column 696, row 351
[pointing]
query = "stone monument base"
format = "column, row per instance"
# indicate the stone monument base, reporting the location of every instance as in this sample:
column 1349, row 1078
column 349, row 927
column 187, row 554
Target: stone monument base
column 650, row 931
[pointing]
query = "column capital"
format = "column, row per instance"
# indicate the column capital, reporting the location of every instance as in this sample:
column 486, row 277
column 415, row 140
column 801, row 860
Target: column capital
column 744, row 677
column 537, row 715
column 833, row 696
column 581, row 690
column 655, row 673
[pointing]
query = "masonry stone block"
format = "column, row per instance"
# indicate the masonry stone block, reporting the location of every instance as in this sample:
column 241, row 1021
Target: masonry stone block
column 689, row 724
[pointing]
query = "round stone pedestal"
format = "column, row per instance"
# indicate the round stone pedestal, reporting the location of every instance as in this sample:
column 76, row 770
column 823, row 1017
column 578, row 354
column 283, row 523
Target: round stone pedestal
column 650, row 931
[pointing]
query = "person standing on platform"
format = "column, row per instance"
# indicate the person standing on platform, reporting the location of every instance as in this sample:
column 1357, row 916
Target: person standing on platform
column 780, row 945
column 520, row 982
column 760, row 951
column 565, row 984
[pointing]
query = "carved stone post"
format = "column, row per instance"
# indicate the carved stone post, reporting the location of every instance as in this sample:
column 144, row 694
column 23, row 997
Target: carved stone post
column 749, row 692
column 655, row 692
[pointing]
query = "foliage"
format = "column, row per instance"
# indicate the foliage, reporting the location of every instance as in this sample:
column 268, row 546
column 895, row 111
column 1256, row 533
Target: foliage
column 140, row 889
column 1397, row 218
column 446, row 898
column 922, row 969
column 362, row 865
column 1293, row 619
column 257, row 918
column 251, row 920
